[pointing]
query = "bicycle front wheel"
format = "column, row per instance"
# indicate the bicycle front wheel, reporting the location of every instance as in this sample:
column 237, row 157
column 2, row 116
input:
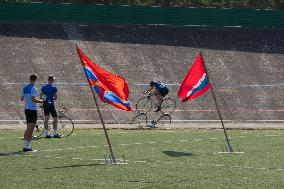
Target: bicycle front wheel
column 164, row 120
column 139, row 120
column 65, row 126
column 39, row 127
column 144, row 105
column 168, row 106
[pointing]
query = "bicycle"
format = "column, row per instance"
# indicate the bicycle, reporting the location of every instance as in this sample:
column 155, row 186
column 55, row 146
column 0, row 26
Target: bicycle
column 145, row 104
column 65, row 124
column 141, row 120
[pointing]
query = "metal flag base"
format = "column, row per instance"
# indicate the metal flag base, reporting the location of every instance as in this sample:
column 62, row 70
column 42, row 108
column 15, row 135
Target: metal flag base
column 230, row 150
column 109, row 161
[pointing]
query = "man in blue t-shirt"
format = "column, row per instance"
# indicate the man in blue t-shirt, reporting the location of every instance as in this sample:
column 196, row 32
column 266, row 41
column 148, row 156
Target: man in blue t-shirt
column 49, row 91
column 161, row 90
column 28, row 95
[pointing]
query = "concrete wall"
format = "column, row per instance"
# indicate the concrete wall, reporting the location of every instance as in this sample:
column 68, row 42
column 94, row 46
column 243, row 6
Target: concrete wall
column 246, row 66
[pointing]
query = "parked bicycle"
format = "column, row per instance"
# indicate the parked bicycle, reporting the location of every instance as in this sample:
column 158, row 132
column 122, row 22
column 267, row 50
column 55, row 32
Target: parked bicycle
column 65, row 125
column 146, row 103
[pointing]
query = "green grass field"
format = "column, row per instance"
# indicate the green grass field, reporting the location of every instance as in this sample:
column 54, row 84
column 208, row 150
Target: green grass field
column 156, row 159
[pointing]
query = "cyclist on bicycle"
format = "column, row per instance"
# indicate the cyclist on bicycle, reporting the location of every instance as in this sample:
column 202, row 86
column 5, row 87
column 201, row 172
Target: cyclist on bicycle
column 49, row 91
column 161, row 90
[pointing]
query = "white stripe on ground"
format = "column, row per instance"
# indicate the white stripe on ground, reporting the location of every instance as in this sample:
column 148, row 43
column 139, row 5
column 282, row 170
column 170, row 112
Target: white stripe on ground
column 273, row 135
column 124, row 144
column 158, row 161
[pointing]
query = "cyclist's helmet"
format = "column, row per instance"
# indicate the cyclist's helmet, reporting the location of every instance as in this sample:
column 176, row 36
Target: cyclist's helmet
column 152, row 83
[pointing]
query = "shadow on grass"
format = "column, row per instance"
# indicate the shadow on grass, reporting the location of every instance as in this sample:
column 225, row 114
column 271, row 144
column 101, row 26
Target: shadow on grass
column 74, row 166
column 134, row 181
column 12, row 153
column 177, row 154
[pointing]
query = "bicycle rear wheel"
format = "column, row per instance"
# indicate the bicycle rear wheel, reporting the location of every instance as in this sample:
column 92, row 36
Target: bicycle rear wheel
column 39, row 127
column 164, row 120
column 144, row 105
column 168, row 106
column 65, row 126
column 139, row 120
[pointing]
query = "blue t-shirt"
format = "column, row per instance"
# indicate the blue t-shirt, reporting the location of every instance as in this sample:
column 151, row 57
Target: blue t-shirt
column 49, row 91
column 160, row 86
column 28, row 91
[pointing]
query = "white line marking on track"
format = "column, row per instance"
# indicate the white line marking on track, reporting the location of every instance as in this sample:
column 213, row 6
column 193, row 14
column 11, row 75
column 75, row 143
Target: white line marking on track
column 197, row 139
column 261, row 168
column 152, row 142
column 91, row 146
column 273, row 135
column 124, row 144
column 167, row 141
column 123, row 132
column 3, row 138
column 138, row 143
column 218, row 165
column 248, row 167
column 98, row 159
column 165, row 162
column 77, row 158
column 140, row 161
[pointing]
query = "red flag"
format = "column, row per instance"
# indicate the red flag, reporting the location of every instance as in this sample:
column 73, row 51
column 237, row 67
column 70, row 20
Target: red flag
column 196, row 81
column 112, row 89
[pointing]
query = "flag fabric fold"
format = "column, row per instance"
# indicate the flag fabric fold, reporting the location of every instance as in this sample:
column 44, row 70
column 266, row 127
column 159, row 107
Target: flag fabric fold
column 111, row 89
column 196, row 81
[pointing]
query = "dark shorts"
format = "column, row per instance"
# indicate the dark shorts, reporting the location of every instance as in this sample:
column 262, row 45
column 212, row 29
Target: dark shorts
column 31, row 116
column 49, row 109
column 164, row 92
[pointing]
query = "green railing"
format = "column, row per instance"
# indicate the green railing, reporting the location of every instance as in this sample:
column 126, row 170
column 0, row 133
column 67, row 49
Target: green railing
column 90, row 13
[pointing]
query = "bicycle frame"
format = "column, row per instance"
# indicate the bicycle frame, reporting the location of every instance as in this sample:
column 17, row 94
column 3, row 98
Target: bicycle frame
column 150, row 96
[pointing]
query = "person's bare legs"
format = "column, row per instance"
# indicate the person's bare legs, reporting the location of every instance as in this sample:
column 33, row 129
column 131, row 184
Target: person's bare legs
column 159, row 99
column 54, row 123
column 29, row 132
column 46, row 129
column 28, row 135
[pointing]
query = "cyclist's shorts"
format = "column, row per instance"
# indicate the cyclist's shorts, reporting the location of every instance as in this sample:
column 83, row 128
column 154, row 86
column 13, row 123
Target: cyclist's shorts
column 164, row 91
column 49, row 109
column 31, row 116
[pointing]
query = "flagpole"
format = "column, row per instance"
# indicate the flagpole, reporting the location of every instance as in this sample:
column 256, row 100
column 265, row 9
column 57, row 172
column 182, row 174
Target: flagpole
column 217, row 107
column 103, row 123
